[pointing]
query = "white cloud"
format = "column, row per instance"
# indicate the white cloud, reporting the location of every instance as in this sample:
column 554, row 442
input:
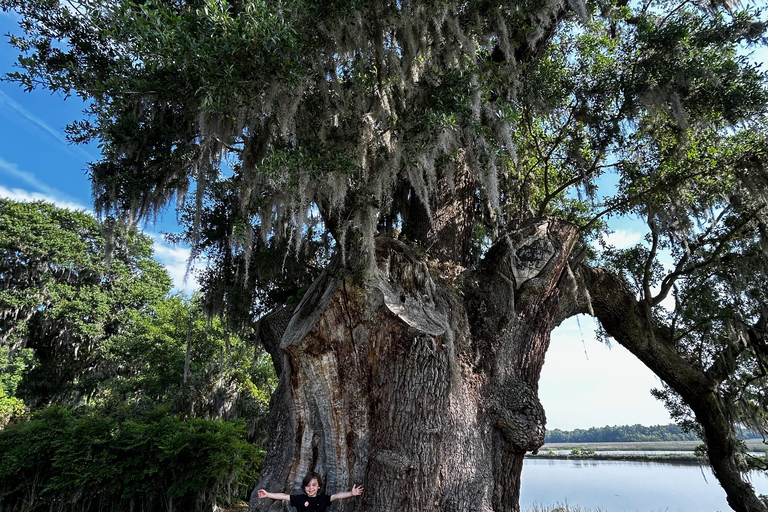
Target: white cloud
column 43, row 189
column 175, row 259
column 8, row 103
column 17, row 194
column 584, row 383
column 623, row 239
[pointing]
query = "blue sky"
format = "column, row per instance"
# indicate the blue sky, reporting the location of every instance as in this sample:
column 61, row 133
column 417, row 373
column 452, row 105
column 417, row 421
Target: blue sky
column 583, row 384
column 36, row 162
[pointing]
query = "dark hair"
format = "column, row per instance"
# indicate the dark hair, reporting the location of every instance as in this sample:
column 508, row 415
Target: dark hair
column 311, row 476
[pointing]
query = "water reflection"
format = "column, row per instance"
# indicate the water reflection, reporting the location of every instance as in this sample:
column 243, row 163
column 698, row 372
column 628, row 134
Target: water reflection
column 620, row 486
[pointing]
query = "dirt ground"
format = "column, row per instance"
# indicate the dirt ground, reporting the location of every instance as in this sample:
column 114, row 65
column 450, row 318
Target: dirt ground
column 240, row 507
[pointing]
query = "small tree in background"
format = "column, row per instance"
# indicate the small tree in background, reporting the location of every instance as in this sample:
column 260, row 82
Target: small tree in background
column 62, row 304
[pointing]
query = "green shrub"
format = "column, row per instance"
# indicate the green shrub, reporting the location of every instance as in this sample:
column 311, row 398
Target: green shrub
column 96, row 463
column 10, row 407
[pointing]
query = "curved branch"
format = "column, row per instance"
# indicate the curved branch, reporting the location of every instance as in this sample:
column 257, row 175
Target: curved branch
column 630, row 323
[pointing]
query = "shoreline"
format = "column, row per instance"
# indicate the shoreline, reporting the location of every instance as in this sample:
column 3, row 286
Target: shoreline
column 629, row 457
column 607, row 451
column 753, row 445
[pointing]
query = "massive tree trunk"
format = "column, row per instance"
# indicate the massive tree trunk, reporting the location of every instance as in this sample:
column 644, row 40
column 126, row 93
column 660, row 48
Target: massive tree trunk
column 415, row 380
column 630, row 323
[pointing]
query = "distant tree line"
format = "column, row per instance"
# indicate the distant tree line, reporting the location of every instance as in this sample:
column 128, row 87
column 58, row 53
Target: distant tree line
column 620, row 434
column 629, row 434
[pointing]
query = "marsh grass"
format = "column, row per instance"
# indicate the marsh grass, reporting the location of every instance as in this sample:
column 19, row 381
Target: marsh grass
column 560, row 508
column 566, row 508
column 755, row 445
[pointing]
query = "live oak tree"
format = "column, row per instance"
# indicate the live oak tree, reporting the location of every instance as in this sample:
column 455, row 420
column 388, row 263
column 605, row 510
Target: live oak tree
column 124, row 386
column 81, row 334
column 450, row 167
column 63, row 312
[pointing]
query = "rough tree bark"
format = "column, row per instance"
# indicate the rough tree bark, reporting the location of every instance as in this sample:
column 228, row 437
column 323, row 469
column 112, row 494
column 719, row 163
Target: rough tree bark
column 629, row 322
column 415, row 382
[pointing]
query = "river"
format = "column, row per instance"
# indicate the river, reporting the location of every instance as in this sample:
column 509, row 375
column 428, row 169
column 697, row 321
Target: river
column 618, row 486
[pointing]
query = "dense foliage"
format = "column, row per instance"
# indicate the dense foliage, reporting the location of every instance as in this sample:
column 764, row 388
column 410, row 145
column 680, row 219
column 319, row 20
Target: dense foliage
column 180, row 359
column 62, row 308
column 89, row 461
column 76, row 330
column 114, row 394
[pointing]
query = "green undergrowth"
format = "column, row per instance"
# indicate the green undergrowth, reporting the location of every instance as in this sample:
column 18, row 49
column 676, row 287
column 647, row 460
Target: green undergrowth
column 60, row 460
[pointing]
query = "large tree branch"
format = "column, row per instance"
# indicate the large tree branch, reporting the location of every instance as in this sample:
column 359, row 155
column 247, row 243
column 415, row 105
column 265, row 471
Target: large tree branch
column 269, row 331
column 631, row 323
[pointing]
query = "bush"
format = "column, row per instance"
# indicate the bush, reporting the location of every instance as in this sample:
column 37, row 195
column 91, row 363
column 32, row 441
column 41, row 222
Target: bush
column 96, row 463
column 10, row 408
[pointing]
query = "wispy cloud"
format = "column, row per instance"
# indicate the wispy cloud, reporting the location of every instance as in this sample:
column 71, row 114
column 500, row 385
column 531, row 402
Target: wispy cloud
column 41, row 189
column 10, row 14
column 18, row 194
column 175, row 259
column 622, row 239
column 8, row 103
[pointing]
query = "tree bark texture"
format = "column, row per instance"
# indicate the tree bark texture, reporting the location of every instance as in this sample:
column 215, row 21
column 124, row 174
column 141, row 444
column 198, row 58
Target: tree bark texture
column 417, row 383
column 631, row 324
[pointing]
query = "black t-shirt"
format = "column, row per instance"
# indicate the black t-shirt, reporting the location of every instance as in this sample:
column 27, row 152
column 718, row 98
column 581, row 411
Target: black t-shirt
column 319, row 503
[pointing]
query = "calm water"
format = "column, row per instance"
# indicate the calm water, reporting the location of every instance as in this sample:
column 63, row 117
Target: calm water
column 617, row 486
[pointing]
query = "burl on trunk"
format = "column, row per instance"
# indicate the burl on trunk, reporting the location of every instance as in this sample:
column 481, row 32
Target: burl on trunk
column 420, row 385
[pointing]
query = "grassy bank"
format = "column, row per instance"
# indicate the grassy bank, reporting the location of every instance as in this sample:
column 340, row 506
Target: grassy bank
column 627, row 457
column 595, row 451
column 558, row 508
column 753, row 445
column 243, row 507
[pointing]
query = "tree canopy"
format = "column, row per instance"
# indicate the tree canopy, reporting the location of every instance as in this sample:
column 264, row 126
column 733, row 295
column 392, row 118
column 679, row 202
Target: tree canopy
column 306, row 130
column 621, row 434
column 62, row 304
column 78, row 331
column 297, row 121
